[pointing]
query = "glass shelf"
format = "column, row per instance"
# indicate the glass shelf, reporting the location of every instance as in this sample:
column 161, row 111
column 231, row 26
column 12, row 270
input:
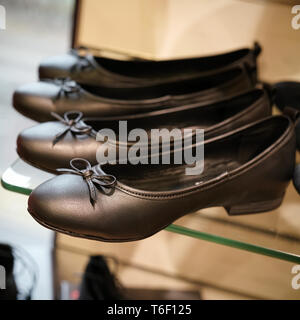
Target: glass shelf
column 275, row 234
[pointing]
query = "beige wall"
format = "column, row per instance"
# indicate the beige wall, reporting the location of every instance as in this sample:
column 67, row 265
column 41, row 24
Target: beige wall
column 160, row 29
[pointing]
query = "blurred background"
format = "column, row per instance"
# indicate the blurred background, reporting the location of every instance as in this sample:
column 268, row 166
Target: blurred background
column 34, row 29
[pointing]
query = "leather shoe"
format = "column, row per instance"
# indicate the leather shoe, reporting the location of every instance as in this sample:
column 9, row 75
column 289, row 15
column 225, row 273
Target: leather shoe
column 84, row 68
column 246, row 171
column 53, row 144
column 38, row 100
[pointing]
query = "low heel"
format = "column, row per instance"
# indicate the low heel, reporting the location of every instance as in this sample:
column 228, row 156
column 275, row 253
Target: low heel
column 253, row 207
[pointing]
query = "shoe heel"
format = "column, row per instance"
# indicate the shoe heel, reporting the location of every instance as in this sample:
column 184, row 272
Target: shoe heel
column 254, row 207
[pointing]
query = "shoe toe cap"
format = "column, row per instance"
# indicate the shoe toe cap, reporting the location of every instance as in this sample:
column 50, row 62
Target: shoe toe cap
column 62, row 203
column 35, row 100
column 37, row 146
column 57, row 66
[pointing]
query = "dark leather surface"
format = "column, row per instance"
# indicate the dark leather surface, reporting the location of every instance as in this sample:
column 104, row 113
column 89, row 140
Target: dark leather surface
column 248, row 168
column 38, row 145
column 86, row 69
column 38, row 100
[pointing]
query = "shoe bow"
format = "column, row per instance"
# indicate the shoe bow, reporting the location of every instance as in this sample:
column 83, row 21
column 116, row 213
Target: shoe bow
column 67, row 86
column 71, row 120
column 83, row 62
column 91, row 177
